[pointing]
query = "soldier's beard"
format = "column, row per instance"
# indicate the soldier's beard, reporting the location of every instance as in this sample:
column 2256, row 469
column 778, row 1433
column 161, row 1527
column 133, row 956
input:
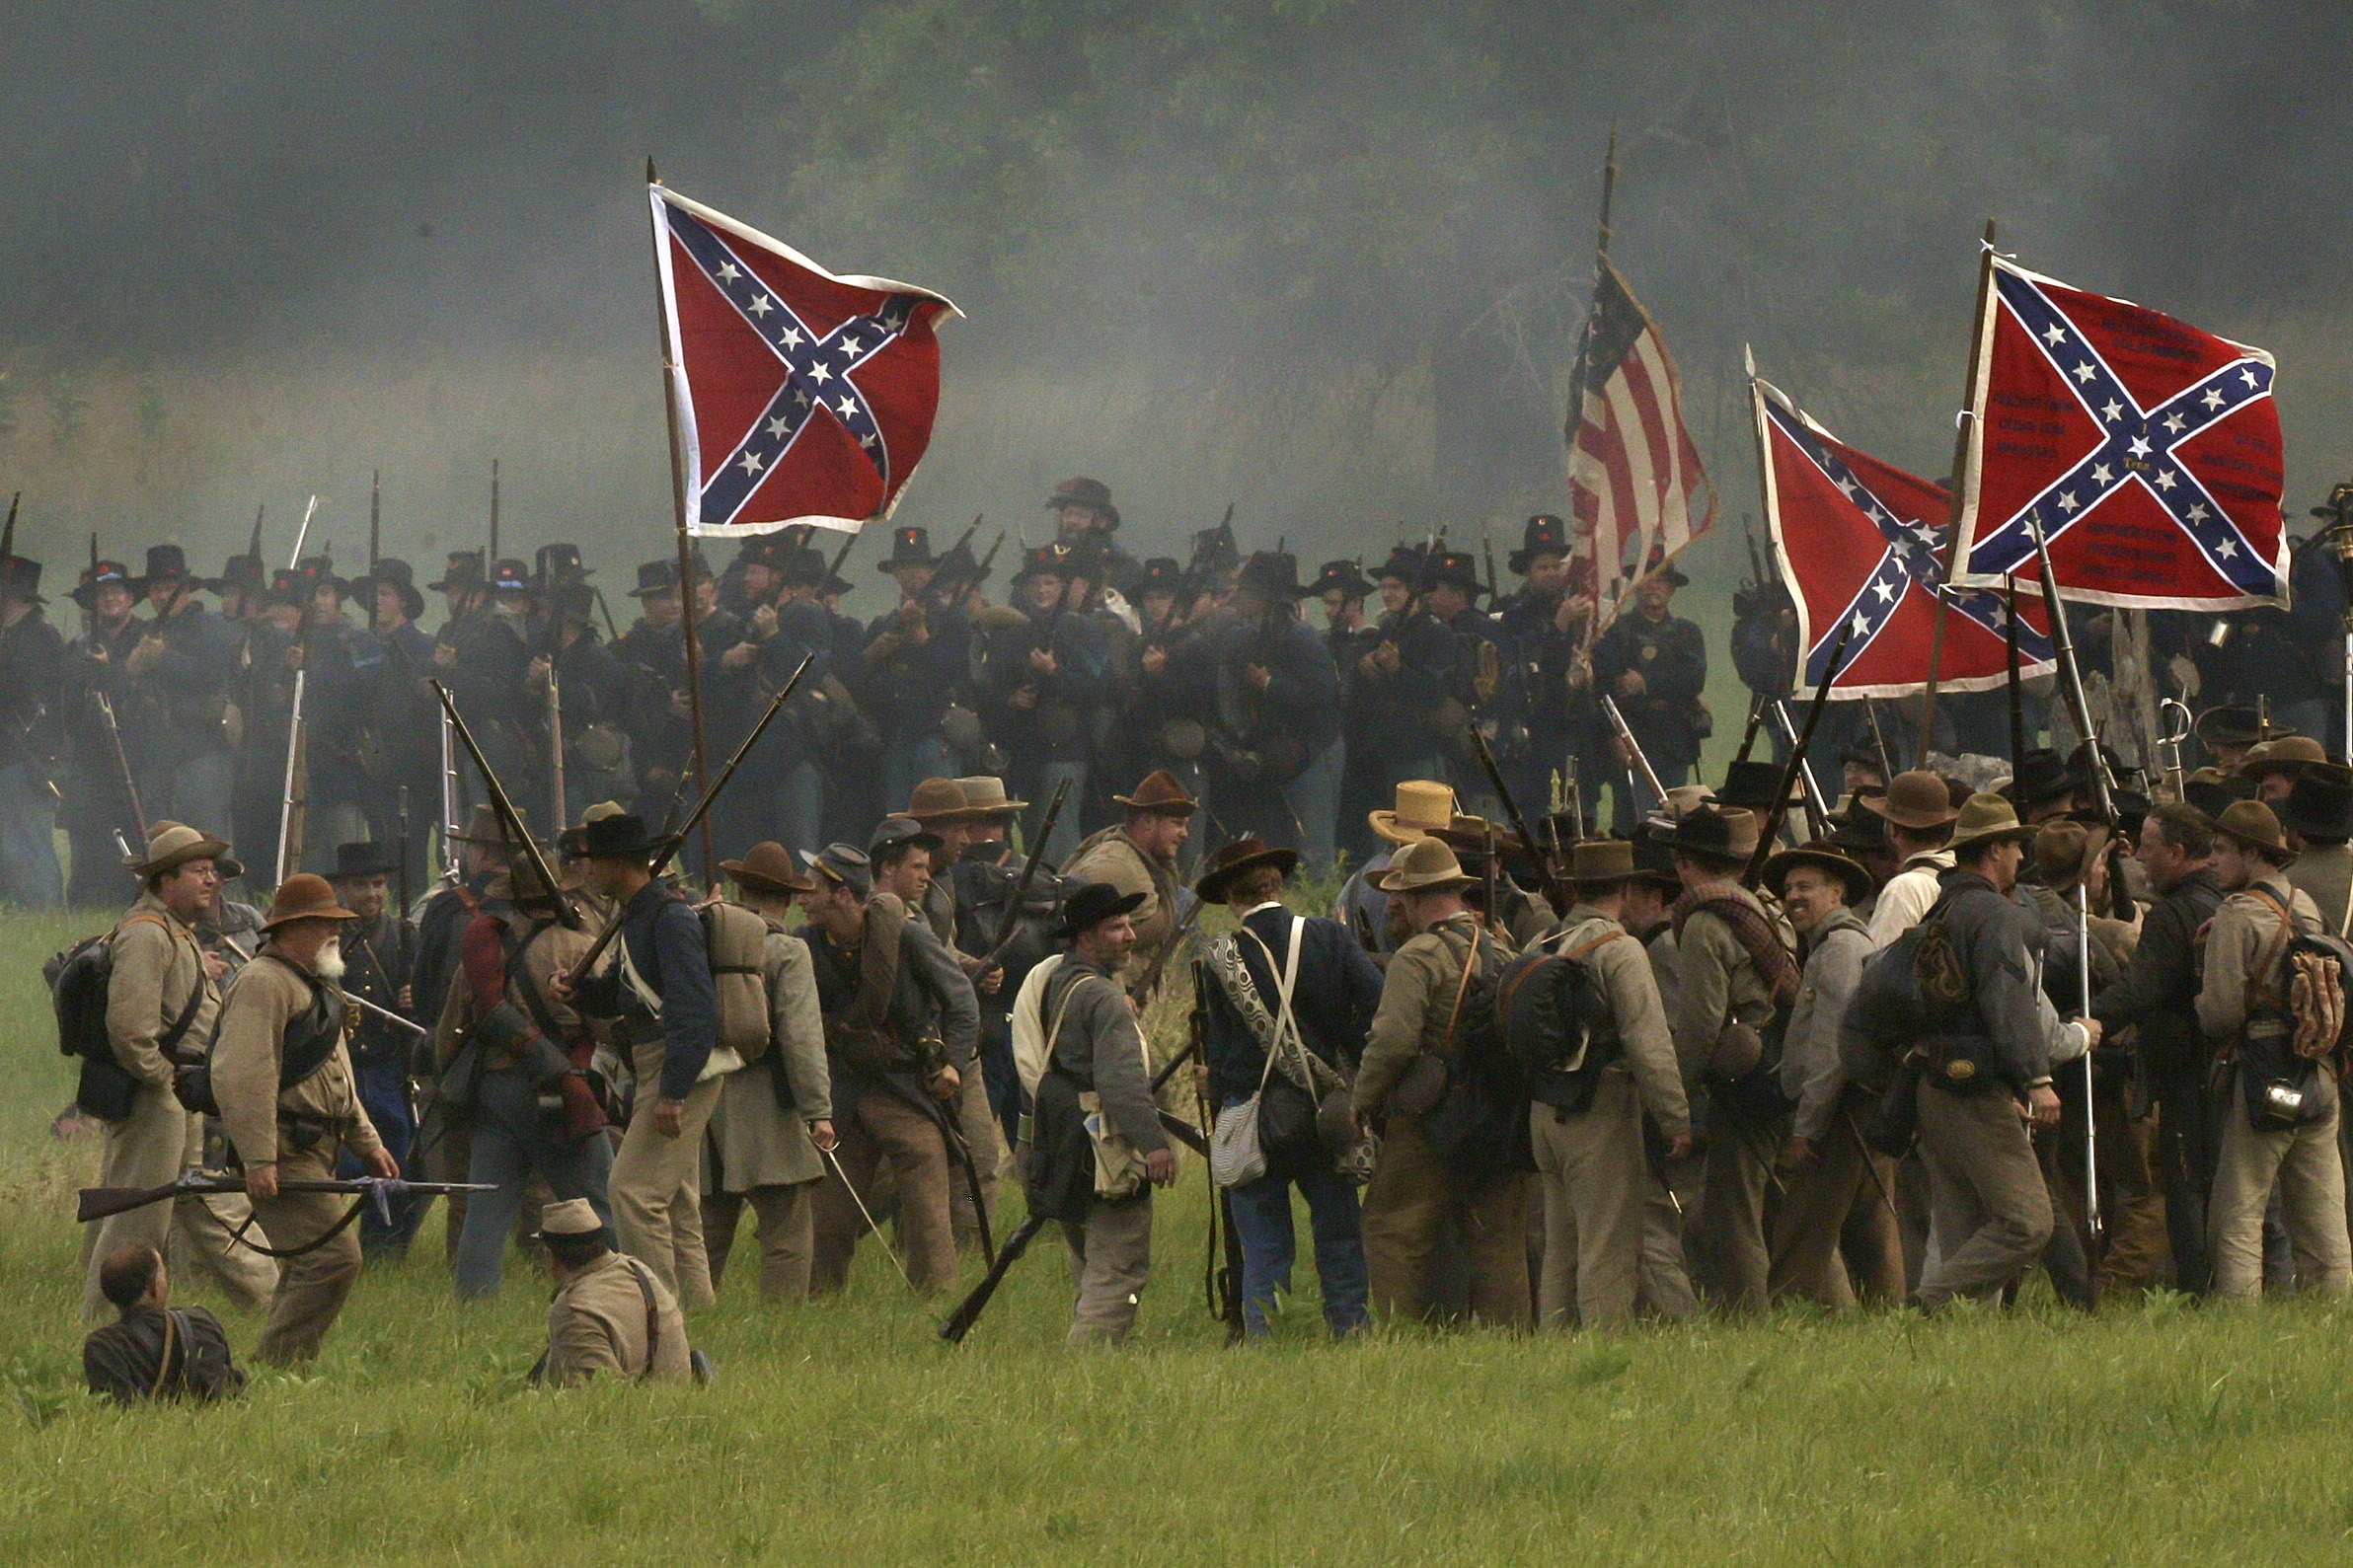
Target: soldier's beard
column 330, row 964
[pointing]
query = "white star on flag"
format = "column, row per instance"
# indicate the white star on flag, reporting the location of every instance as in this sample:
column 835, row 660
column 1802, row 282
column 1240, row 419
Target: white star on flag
column 751, row 463
column 2174, row 422
column 762, row 306
column 820, row 373
column 2068, row 502
column 728, row 272
column 2138, row 446
column 2100, row 471
column 2084, row 371
column 779, row 425
column 849, row 348
column 2112, row 410
column 2226, row 549
column 2213, row 399
column 847, row 407
column 2055, row 336
column 2198, row 512
column 2165, row 480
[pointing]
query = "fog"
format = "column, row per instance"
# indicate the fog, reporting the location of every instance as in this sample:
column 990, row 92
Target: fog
column 1321, row 261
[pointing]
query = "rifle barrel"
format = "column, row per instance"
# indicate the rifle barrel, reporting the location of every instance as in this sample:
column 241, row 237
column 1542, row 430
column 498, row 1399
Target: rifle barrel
column 1021, row 888
column 508, row 817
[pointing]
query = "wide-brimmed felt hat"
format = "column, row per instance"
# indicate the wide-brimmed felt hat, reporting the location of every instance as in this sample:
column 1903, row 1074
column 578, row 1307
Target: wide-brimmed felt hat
column 108, row 571
column 1818, row 855
column 303, row 896
column 559, row 562
column 1916, row 800
column 172, row 845
column 909, row 547
column 1270, row 574
column 1598, row 862
column 656, row 577
column 1716, row 833
column 984, row 795
column 1545, row 535
column 1859, row 830
column 390, row 571
column 844, row 865
column 464, row 571
column 1464, row 833
column 1683, row 799
column 940, row 801
column 1214, row 550
column 1985, row 819
column 573, row 1217
column 2252, row 825
column 1084, row 492
column 365, row 858
column 624, row 835
column 2319, row 804
column 2287, row 753
column 1241, row 856
column 1091, row 904
column 892, row 831
column 1344, row 575
column 2063, row 848
column 1160, row 792
column 1754, row 785
column 2235, row 726
column 483, row 827
column 768, row 867
column 1421, row 866
column 241, row 574
column 1421, row 805
column 2043, row 775
column 1456, row 568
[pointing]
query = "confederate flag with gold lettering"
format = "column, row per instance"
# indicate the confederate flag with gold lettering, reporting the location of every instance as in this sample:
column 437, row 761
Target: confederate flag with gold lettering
column 801, row 397
column 1857, row 543
column 2147, row 451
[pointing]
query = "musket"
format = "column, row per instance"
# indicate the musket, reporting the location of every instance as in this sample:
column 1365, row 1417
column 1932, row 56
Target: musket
column 2017, row 700
column 489, row 562
column 130, row 784
column 1487, row 543
column 562, row 813
column 294, row 802
column 401, row 799
column 510, row 821
column 1511, row 809
column 1626, row 737
column 842, row 554
column 452, row 864
column 386, row 1014
column 1781, row 797
column 1021, row 888
column 1871, row 710
column 1756, row 722
column 1817, row 809
column 1577, row 795
column 673, row 841
column 1143, row 988
column 99, row 1203
column 982, row 570
column 606, row 610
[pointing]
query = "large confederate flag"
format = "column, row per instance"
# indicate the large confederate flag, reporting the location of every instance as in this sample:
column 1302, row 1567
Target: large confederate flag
column 1858, row 541
column 802, row 397
column 2148, row 452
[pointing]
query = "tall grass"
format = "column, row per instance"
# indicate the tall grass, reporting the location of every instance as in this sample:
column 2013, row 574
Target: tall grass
column 845, row 1433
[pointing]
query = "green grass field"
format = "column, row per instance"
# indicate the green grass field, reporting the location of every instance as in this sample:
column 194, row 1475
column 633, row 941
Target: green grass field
column 846, row 1433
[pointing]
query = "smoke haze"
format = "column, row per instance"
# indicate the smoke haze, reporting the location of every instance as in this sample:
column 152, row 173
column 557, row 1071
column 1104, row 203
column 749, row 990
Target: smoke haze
column 1324, row 260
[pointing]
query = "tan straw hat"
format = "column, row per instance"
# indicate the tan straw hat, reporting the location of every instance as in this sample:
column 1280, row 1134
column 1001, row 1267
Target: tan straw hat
column 1422, row 806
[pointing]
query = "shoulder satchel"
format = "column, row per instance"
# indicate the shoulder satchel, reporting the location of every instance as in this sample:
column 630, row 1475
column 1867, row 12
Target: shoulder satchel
column 1237, row 1141
column 1120, row 1171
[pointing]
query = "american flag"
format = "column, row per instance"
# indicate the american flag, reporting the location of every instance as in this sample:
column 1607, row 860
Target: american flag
column 800, row 396
column 2146, row 450
column 1634, row 471
column 1857, row 543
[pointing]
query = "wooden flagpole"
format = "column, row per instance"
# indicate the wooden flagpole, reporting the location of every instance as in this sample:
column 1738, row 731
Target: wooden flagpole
column 686, row 558
column 1961, row 458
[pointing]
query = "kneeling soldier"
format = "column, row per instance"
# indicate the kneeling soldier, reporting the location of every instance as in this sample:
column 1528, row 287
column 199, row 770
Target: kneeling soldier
column 288, row 1102
column 155, row 1350
column 610, row 1313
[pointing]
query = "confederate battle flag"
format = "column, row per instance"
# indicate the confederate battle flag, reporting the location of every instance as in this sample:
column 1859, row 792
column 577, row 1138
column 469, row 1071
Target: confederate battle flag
column 800, row 396
column 2146, row 450
column 1856, row 538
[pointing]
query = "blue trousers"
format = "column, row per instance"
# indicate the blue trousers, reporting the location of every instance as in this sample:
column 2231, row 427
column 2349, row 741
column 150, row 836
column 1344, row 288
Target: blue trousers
column 515, row 1141
column 1262, row 1219
column 911, row 760
column 1315, row 797
column 28, row 872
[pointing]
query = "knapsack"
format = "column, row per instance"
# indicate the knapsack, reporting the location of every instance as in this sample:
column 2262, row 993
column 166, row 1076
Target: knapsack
column 737, row 940
column 79, row 980
column 1554, row 1023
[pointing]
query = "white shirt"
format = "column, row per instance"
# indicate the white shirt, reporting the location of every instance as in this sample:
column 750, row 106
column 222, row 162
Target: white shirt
column 1908, row 895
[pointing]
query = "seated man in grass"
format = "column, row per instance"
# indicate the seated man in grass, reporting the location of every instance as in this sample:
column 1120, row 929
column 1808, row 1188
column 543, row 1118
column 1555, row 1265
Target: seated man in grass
column 153, row 1350
column 610, row 1313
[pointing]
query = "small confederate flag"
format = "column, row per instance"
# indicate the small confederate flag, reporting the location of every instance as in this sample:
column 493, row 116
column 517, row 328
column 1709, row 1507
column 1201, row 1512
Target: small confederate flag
column 802, row 397
column 1633, row 470
column 1857, row 540
column 2147, row 450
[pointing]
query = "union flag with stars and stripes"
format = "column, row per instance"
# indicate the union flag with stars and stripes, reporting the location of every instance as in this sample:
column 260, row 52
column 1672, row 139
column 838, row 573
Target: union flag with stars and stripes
column 1857, row 543
column 1635, row 475
column 2147, row 451
column 800, row 396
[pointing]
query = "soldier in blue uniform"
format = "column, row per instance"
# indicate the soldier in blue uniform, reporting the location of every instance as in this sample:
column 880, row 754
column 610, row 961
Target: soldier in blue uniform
column 32, row 662
column 98, row 805
column 1546, row 626
column 178, row 678
column 1655, row 664
column 1280, row 756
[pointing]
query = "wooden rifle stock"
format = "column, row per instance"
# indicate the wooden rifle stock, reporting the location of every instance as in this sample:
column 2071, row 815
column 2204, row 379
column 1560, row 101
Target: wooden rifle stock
column 509, row 819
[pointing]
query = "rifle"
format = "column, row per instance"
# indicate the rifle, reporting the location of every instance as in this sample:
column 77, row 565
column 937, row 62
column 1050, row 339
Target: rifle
column 1626, row 737
column 673, row 841
column 842, row 554
column 1805, row 738
column 555, row 747
column 1143, row 988
column 131, row 786
column 2017, row 700
column 89, row 611
column 375, row 535
column 293, row 808
column 452, row 864
column 99, row 1203
column 1021, row 888
column 1817, row 808
column 1871, row 710
column 1511, row 809
column 510, row 821
column 1756, row 562
column 1487, row 543
column 401, row 801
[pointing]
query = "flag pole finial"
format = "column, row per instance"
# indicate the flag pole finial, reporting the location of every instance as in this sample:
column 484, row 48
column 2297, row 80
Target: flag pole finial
column 652, row 177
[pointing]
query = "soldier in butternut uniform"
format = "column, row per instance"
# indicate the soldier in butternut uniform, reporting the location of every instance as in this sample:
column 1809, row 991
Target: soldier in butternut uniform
column 610, row 1314
column 163, row 992
column 1140, row 857
column 289, row 1102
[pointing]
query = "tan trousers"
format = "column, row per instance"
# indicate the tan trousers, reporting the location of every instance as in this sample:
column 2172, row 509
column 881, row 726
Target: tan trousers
column 2311, row 1175
column 2132, row 1196
column 1111, row 1259
column 204, row 1247
column 654, row 1179
column 311, row 1288
column 1666, row 1286
column 1592, row 1179
column 1411, row 1197
column 788, row 1235
column 1836, row 1228
column 880, row 1131
column 145, row 1149
column 1991, row 1211
column 987, row 1143
column 1741, row 1165
column 690, row 1258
